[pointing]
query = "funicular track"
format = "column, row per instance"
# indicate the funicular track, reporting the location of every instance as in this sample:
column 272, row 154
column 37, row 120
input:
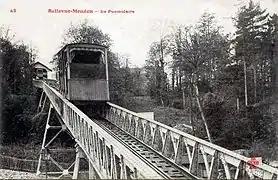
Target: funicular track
column 109, row 153
column 146, row 148
column 160, row 163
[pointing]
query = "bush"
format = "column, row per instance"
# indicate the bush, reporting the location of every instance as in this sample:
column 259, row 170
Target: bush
column 178, row 104
column 17, row 113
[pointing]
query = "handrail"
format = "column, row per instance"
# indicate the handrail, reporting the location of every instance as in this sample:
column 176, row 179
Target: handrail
column 179, row 147
column 97, row 144
column 173, row 142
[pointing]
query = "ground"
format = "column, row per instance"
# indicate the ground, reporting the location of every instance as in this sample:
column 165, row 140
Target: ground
column 9, row 174
column 166, row 115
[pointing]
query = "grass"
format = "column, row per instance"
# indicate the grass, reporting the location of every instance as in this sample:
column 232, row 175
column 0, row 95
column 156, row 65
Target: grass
column 171, row 116
column 32, row 152
column 168, row 115
column 20, row 150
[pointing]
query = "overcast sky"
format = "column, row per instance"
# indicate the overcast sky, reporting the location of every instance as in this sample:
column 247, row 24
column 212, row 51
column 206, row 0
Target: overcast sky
column 132, row 33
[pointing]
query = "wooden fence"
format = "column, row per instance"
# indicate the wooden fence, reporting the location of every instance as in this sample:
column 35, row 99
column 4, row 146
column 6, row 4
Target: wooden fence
column 28, row 165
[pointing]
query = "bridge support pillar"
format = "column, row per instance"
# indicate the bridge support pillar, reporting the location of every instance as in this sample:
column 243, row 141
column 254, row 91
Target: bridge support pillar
column 47, row 151
column 42, row 102
column 79, row 155
column 44, row 141
column 92, row 173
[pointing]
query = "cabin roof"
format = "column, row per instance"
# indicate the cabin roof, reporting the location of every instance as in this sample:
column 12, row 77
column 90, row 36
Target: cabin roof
column 88, row 45
column 35, row 63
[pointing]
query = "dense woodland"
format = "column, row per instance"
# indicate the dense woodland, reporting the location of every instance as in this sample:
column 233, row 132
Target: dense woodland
column 17, row 93
column 226, row 83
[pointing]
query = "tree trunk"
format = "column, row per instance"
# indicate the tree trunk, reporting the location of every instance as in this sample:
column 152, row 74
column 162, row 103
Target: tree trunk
column 177, row 79
column 273, row 71
column 255, row 84
column 164, row 111
column 173, row 79
column 183, row 98
column 162, row 82
column 201, row 111
column 192, row 122
column 245, row 83
column 180, row 76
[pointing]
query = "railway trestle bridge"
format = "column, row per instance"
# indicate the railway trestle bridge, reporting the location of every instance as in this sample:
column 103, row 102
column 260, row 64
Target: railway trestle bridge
column 119, row 144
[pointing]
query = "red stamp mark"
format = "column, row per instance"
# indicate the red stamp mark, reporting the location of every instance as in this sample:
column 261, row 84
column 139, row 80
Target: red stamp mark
column 13, row 10
column 253, row 163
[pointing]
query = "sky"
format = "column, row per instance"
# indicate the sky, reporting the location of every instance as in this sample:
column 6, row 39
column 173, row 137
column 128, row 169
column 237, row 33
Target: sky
column 132, row 33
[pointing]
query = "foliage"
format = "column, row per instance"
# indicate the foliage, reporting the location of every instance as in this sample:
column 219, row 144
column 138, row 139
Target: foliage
column 87, row 33
column 120, row 82
column 17, row 96
column 202, row 56
column 155, row 72
column 252, row 46
column 206, row 65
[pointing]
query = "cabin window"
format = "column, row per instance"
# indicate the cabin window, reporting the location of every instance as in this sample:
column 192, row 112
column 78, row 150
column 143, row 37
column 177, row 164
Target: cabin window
column 87, row 57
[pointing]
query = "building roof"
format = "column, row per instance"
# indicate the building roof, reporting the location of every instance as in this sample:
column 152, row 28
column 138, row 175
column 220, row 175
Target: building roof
column 88, row 45
column 47, row 68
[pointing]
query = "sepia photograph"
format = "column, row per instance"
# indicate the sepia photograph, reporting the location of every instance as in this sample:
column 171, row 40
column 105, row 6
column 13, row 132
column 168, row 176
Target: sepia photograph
column 139, row 89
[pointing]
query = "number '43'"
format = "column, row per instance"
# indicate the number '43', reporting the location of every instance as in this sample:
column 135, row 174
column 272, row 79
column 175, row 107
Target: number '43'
column 13, row 10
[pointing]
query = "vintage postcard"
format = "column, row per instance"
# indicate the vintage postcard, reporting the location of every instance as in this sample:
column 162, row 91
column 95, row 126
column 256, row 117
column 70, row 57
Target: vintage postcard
column 139, row 89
